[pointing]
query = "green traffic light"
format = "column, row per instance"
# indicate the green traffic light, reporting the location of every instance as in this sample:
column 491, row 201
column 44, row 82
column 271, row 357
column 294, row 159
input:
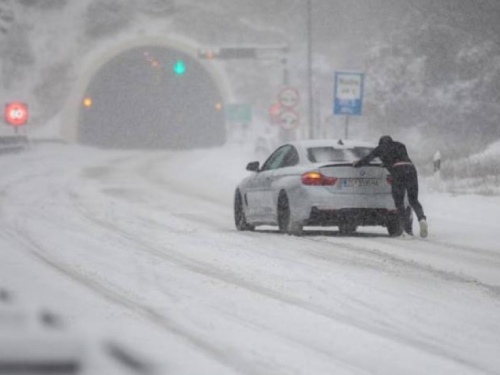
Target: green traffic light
column 179, row 67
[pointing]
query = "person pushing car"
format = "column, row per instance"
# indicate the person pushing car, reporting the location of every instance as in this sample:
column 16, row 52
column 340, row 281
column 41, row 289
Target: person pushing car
column 404, row 177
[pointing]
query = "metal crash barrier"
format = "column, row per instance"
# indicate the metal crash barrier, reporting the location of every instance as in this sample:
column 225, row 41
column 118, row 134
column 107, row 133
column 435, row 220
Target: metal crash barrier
column 13, row 143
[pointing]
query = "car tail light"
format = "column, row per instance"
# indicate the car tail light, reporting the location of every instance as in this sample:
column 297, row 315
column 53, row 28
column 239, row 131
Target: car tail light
column 317, row 179
column 389, row 180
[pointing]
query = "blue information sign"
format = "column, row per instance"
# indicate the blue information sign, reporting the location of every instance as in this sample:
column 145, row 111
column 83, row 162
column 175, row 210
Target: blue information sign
column 348, row 94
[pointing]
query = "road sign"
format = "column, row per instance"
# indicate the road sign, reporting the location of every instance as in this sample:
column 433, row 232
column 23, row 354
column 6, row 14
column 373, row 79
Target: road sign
column 289, row 97
column 16, row 114
column 239, row 113
column 348, row 93
column 288, row 119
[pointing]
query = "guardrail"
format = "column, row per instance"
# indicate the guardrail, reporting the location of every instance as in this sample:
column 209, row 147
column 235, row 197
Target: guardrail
column 13, row 143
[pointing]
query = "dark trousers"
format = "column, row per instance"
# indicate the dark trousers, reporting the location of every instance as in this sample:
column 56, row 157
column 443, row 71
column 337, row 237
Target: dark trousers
column 405, row 180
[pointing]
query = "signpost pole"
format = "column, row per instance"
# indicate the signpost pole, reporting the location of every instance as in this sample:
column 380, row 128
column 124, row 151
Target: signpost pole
column 285, row 71
column 310, row 109
column 347, row 127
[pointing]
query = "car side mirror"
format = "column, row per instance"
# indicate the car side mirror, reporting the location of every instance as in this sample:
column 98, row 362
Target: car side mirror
column 253, row 166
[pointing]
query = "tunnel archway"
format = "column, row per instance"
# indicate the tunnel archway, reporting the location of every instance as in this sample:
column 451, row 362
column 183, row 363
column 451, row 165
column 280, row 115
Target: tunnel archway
column 91, row 63
column 152, row 97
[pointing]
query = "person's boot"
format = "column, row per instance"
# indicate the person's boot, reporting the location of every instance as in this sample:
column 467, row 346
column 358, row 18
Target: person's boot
column 408, row 222
column 423, row 228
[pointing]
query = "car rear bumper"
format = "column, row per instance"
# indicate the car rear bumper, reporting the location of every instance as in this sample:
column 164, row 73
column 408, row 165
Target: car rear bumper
column 320, row 207
column 357, row 216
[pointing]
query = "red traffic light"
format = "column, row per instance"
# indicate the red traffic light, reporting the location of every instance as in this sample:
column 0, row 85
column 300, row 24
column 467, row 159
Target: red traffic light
column 16, row 114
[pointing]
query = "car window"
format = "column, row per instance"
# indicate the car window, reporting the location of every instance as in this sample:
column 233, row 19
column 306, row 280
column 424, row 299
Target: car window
column 332, row 154
column 325, row 154
column 274, row 161
column 291, row 158
column 361, row 152
column 285, row 156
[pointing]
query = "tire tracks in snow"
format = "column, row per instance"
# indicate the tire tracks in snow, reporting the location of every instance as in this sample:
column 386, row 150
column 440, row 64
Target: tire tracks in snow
column 383, row 257
column 173, row 256
column 22, row 236
column 486, row 255
column 146, row 169
column 112, row 294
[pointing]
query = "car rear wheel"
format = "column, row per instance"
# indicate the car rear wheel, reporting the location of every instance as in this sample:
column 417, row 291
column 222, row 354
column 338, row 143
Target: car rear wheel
column 240, row 220
column 285, row 222
column 394, row 227
column 347, row 228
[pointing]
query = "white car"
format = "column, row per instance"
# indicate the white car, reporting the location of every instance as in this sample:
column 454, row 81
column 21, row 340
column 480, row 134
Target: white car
column 313, row 183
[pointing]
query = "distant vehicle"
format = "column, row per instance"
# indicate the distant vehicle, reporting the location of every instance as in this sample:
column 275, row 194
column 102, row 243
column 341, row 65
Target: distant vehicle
column 313, row 183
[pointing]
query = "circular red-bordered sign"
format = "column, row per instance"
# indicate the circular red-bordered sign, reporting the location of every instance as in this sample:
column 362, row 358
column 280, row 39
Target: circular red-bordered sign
column 16, row 114
column 289, row 119
column 289, row 97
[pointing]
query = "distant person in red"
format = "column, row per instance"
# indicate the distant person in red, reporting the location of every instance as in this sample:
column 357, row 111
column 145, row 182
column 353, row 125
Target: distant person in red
column 404, row 174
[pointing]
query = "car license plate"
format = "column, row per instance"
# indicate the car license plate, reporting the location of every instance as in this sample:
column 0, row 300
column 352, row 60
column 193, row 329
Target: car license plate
column 360, row 182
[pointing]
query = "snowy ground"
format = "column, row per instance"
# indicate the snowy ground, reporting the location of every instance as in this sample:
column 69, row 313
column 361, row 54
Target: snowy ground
column 139, row 250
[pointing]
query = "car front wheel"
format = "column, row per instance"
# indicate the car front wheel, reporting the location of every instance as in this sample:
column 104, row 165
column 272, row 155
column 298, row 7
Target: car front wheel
column 240, row 220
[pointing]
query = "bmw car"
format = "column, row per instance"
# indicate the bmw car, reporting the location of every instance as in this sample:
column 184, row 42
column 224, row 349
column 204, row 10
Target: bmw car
column 313, row 183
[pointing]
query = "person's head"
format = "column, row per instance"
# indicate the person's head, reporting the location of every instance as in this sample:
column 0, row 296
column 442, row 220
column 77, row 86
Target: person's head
column 384, row 140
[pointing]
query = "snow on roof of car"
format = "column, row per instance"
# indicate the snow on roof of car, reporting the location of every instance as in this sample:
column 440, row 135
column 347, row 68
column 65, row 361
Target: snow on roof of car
column 337, row 143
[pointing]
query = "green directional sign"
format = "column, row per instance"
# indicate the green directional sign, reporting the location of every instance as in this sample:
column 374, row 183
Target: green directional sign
column 239, row 113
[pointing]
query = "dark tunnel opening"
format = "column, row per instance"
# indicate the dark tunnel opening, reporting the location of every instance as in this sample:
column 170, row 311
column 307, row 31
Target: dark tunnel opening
column 152, row 98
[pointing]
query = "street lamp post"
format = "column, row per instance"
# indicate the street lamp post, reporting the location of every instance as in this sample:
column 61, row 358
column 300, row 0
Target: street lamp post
column 310, row 109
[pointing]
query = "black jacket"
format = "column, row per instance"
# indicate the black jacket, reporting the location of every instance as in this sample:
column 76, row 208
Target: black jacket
column 390, row 152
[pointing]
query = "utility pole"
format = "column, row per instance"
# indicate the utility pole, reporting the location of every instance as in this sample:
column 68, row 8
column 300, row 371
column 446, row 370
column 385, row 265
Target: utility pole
column 284, row 62
column 310, row 109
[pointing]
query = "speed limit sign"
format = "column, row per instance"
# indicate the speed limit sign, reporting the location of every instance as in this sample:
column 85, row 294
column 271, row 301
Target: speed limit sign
column 16, row 114
column 289, row 119
column 289, row 97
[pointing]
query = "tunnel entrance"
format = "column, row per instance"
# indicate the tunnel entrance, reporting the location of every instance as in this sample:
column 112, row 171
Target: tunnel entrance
column 152, row 98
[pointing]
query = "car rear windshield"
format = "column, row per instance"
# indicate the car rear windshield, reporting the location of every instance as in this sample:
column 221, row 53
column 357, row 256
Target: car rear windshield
column 332, row 154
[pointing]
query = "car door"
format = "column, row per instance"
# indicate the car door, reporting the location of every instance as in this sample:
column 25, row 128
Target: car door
column 281, row 178
column 278, row 170
column 258, row 195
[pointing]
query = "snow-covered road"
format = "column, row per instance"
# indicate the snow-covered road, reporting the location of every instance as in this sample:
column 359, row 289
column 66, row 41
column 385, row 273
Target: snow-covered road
column 140, row 248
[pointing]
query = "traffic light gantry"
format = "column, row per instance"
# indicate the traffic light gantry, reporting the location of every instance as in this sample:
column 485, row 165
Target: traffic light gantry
column 245, row 52
column 269, row 52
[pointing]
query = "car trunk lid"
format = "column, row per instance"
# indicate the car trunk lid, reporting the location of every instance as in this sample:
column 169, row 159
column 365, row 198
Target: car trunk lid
column 370, row 179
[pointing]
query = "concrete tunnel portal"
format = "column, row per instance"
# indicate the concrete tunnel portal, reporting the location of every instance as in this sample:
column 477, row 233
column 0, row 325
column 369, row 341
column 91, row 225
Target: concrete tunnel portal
column 151, row 97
